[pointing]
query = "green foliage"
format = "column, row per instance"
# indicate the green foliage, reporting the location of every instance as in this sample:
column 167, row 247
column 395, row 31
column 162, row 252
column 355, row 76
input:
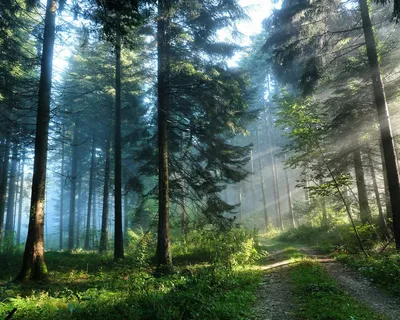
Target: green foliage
column 92, row 286
column 236, row 247
column 332, row 239
column 140, row 247
column 383, row 269
column 320, row 297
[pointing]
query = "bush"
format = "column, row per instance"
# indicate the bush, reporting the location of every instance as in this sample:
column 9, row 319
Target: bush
column 140, row 247
column 230, row 248
column 332, row 239
column 381, row 269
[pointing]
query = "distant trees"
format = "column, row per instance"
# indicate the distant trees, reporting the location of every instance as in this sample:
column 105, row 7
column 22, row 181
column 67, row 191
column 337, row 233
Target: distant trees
column 171, row 137
column 385, row 128
column 315, row 52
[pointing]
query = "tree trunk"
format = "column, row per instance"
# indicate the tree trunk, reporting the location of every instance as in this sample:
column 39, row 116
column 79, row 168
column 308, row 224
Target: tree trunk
column 164, row 257
column 324, row 222
column 306, row 191
column 16, row 199
column 275, row 182
column 11, row 197
column 21, row 199
column 365, row 211
column 388, row 205
column 262, row 182
column 289, row 197
column 253, row 184
column 239, row 220
column 91, row 181
column 382, row 222
column 94, row 227
column 384, row 120
column 3, row 185
column 33, row 265
column 72, row 199
column 61, row 231
column 126, row 214
column 104, row 218
column 118, row 235
column 184, row 220
column 78, row 212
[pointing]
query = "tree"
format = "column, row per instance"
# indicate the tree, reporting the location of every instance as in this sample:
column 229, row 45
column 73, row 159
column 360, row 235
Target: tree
column 118, row 234
column 164, row 258
column 104, row 219
column 383, row 118
column 91, row 184
column 9, row 230
column 33, row 265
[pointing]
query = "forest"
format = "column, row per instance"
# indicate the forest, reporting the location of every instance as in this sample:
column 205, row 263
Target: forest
column 199, row 159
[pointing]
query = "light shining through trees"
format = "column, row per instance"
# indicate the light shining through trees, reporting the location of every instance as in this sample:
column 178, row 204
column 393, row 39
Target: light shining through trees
column 152, row 153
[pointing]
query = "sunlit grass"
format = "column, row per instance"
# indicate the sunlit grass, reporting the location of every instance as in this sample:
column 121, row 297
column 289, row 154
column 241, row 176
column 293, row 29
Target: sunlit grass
column 87, row 285
column 319, row 296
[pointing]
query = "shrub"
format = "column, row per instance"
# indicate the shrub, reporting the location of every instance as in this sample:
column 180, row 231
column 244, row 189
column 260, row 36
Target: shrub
column 228, row 248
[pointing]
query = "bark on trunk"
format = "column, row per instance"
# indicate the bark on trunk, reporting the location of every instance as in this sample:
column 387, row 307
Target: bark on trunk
column 389, row 214
column 324, row 222
column 16, row 200
column 33, row 265
column 3, row 185
column 253, row 184
column 78, row 212
column 384, row 120
column 104, row 218
column 126, row 214
column 306, row 191
column 72, row 200
column 382, row 221
column 118, row 235
column 11, row 197
column 94, row 227
column 239, row 220
column 289, row 197
column 61, row 231
column 21, row 198
column 164, row 257
column 275, row 182
column 365, row 211
column 262, row 182
column 91, row 181
column 184, row 220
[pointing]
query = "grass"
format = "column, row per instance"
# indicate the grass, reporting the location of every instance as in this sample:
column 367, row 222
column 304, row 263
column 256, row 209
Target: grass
column 277, row 251
column 381, row 268
column 92, row 286
column 318, row 296
column 316, row 293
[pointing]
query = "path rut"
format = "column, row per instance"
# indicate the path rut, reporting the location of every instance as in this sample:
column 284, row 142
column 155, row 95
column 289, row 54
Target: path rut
column 276, row 302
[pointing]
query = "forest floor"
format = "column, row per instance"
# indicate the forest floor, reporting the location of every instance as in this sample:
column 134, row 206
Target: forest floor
column 298, row 283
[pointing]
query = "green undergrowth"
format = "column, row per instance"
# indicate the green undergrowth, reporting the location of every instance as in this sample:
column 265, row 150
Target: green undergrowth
column 277, row 251
column 382, row 268
column 318, row 296
column 205, row 284
column 339, row 238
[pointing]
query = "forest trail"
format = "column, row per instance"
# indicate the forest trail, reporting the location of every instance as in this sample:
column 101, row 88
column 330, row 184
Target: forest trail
column 364, row 291
column 275, row 297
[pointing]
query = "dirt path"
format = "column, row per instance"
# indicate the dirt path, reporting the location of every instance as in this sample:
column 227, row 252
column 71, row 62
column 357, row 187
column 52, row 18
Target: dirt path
column 364, row 291
column 276, row 302
column 359, row 287
column 274, row 296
